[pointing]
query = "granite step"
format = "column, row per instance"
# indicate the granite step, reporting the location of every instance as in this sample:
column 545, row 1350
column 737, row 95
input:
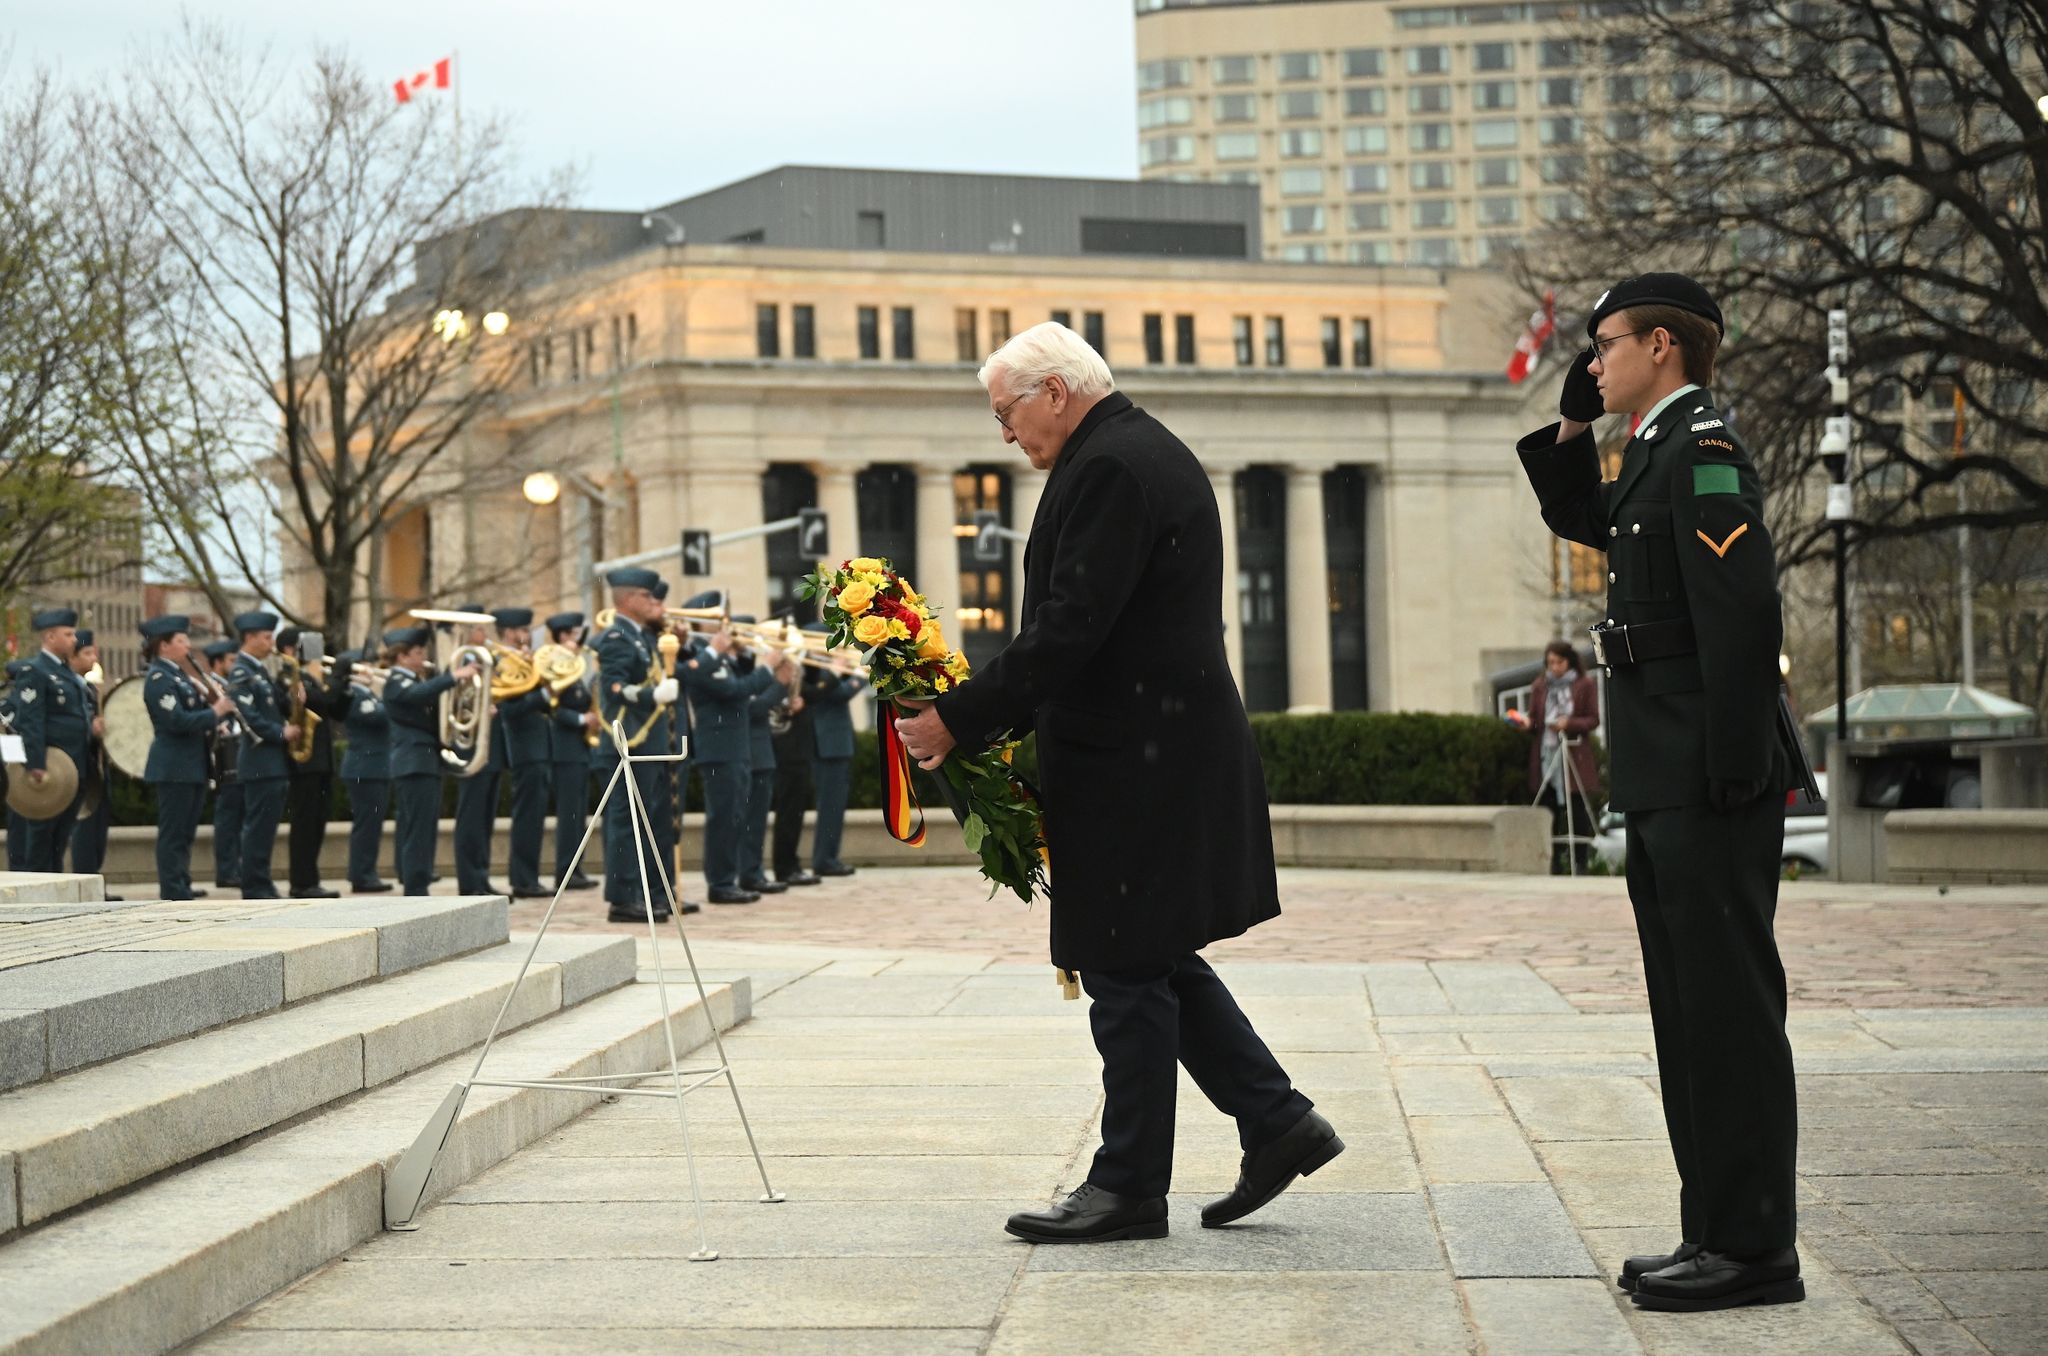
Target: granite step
column 151, row 1268
column 90, row 982
column 77, row 1137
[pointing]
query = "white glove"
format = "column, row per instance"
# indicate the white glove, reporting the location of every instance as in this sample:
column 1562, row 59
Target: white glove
column 665, row 691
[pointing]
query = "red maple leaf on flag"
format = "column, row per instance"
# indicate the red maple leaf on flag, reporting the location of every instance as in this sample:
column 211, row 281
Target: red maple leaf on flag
column 440, row 75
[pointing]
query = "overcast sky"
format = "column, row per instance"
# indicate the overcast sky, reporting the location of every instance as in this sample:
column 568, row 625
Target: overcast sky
column 652, row 101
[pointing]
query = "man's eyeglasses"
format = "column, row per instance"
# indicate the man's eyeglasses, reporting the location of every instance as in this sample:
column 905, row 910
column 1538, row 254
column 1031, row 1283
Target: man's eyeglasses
column 1599, row 347
column 1002, row 415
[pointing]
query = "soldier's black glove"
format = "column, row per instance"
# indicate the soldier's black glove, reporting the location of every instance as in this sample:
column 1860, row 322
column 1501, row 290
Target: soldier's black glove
column 1725, row 795
column 1581, row 402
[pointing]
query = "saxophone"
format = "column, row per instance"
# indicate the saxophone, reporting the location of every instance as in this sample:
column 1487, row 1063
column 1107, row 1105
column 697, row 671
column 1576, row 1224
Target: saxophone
column 291, row 675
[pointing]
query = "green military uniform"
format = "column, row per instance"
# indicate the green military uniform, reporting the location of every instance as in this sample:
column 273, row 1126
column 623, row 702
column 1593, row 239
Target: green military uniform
column 1692, row 633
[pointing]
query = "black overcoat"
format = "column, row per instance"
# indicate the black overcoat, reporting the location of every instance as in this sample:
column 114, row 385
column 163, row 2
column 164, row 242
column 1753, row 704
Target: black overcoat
column 1155, row 804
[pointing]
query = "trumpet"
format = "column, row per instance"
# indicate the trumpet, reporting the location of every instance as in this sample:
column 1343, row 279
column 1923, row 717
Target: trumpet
column 465, row 713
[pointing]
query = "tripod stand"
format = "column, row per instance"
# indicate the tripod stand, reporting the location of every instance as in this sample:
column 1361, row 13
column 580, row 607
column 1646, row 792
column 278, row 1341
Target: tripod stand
column 406, row 1186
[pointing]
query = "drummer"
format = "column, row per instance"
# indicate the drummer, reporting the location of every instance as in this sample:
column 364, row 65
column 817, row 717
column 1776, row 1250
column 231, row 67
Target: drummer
column 183, row 713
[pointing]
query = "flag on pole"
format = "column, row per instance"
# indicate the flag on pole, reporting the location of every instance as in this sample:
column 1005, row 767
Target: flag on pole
column 440, row 75
column 1528, row 348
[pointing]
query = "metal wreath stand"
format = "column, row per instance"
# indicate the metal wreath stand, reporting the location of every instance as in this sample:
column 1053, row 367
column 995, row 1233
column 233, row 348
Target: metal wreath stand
column 405, row 1188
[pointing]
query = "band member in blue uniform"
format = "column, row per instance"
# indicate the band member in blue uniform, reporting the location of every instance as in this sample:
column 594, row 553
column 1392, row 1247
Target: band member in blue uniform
column 520, row 745
column 831, row 699
column 227, row 780
column 365, row 770
column 634, row 690
column 54, row 710
column 411, row 700
column 570, row 727
column 265, row 763
column 185, row 713
column 89, row 836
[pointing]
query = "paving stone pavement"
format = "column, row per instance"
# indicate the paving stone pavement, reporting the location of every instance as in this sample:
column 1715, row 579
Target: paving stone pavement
column 1505, row 1151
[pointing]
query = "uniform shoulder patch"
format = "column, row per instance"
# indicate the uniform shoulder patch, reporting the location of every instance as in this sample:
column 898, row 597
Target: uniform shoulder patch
column 1715, row 479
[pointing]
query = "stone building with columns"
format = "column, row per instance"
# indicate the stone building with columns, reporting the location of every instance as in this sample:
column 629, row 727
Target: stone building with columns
column 809, row 337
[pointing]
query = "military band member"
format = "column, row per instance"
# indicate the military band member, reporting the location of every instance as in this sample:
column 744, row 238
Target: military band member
column 412, row 701
column 365, row 771
column 476, row 796
column 265, row 763
column 519, row 744
column 570, row 727
column 184, row 714
column 832, row 763
column 632, row 691
column 227, row 787
column 1691, row 643
column 721, row 753
column 55, row 711
column 775, row 697
column 89, row 835
column 17, row 827
column 311, row 783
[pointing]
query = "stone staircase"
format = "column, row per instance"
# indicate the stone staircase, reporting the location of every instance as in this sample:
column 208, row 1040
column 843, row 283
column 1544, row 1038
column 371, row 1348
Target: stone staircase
column 201, row 1102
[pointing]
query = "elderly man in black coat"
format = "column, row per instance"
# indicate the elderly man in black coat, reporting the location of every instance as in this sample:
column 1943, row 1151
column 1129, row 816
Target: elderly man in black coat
column 1155, row 806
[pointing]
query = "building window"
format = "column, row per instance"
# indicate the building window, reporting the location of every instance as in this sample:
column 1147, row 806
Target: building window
column 1493, row 134
column 1365, row 178
column 1176, row 110
column 1365, row 139
column 1174, row 73
column 869, row 231
column 1499, row 172
column 903, row 334
column 1429, row 98
column 1237, row 145
column 1368, row 216
column 1429, row 136
column 1433, row 214
column 1498, row 211
column 1370, row 252
column 1234, row 107
column 1299, row 103
column 768, row 330
column 1241, row 339
column 1301, row 183
column 999, row 327
column 1493, row 56
column 1301, row 220
column 1173, row 150
column 1361, row 342
column 803, row 331
column 1493, row 94
column 870, row 326
column 1302, row 143
column 1299, row 65
column 1366, row 101
column 966, row 334
column 1233, row 70
column 1184, row 339
column 1364, row 63
column 1276, row 341
column 1333, row 341
column 1554, row 54
column 1429, row 175
column 1091, row 330
column 1429, row 61
column 1155, row 338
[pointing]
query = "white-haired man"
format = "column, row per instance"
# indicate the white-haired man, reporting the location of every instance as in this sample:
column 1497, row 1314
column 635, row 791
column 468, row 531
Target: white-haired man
column 1154, row 801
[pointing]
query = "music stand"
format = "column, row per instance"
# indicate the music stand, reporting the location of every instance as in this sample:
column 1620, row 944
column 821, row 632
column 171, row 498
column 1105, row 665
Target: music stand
column 405, row 1188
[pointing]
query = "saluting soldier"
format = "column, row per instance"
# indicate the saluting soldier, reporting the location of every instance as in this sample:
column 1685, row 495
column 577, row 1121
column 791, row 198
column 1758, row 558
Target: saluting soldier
column 265, row 765
column 89, row 836
column 569, row 754
column 227, row 787
column 520, row 745
column 1691, row 645
column 55, row 711
column 184, row 715
column 776, row 696
column 411, row 700
column 721, row 752
column 365, row 771
column 632, row 692
column 831, row 700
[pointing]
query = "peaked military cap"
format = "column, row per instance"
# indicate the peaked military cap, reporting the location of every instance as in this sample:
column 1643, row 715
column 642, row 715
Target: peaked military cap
column 169, row 624
column 633, row 577
column 565, row 621
column 255, row 621
column 1655, row 289
column 53, row 616
column 512, row 616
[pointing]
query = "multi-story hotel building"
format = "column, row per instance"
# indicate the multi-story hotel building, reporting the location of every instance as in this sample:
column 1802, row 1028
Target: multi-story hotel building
column 809, row 337
column 1384, row 133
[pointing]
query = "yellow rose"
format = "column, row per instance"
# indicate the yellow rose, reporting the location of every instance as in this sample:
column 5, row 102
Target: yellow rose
column 857, row 598
column 871, row 630
column 864, row 565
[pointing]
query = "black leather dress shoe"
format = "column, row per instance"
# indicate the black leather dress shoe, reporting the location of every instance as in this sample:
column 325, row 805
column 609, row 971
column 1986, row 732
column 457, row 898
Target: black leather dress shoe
column 836, row 869
column 1715, row 1280
column 369, row 887
column 723, row 896
column 1269, row 1169
column 315, row 892
column 761, row 885
column 1632, row 1268
column 1092, row 1215
column 581, row 882
column 801, row 877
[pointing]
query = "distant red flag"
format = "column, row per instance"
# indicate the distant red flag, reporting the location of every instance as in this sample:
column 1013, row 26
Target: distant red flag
column 438, row 76
column 1542, row 324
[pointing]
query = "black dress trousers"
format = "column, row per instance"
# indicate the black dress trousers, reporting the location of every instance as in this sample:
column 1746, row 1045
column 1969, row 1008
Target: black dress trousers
column 1145, row 1021
column 1704, row 884
column 177, row 823
column 416, row 799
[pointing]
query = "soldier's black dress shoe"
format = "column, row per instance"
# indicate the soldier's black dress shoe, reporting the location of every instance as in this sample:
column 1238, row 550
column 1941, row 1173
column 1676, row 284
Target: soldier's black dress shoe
column 801, row 877
column 1092, row 1215
column 1269, row 1169
column 1715, row 1280
column 1632, row 1269
column 836, row 869
column 761, row 885
column 724, row 896
column 369, row 887
column 315, row 892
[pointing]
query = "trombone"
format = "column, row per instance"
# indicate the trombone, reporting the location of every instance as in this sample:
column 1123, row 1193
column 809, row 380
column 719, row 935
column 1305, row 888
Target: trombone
column 465, row 714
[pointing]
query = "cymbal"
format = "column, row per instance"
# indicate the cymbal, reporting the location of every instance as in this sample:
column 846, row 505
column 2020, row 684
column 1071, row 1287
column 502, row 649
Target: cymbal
column 47, row 799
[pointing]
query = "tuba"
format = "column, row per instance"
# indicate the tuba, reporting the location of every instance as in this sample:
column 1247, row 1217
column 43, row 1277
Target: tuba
column 291, row 675
column 465, row 708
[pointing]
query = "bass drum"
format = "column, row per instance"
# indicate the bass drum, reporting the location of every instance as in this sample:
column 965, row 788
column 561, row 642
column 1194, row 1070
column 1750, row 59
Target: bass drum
column 129, row 729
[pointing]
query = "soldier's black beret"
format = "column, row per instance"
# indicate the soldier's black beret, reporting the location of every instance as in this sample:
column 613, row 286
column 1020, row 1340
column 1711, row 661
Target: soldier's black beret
column 565, row 621
column 512, row 616
column 53, row 616
column 169, row 624
column 633, row 577
column 1655, row 289
column 255, row 621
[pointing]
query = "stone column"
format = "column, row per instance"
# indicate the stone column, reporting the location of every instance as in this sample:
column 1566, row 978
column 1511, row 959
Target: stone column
column 1308, row 603
column 724, row 499
column 1223, row 479
column 1027, row 486
column 938, row 550
column 837, row 496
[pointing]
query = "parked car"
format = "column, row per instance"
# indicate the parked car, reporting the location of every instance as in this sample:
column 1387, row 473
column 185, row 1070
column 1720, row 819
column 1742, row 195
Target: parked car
column 1805, row 852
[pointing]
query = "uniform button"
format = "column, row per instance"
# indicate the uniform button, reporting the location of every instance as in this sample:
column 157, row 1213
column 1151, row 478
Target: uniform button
column 1635, row 527
column 1610, row 576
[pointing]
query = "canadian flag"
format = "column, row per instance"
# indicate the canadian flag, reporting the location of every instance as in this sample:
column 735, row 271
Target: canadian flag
column 438, row 76
column 1542, row 324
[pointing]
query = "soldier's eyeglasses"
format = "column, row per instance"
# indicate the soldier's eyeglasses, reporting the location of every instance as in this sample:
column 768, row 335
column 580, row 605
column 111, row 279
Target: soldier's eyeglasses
column 1599, row 347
